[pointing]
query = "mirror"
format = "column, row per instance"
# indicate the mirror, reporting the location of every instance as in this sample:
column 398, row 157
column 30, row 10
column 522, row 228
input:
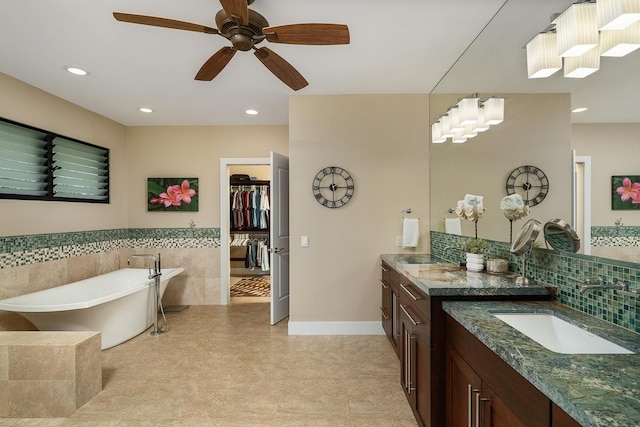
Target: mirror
column 539, row 130
column 560, row 236
column 522, row 246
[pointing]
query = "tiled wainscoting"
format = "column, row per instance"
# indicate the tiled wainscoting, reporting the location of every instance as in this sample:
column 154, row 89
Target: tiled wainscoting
column 36, row 262
column 565, row 271
column 619, row 242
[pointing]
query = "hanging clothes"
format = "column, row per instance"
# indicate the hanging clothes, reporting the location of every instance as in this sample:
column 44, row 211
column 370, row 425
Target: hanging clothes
column 249, row 207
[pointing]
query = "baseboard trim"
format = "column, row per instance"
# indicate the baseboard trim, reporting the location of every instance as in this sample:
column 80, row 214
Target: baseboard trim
column 335, row 328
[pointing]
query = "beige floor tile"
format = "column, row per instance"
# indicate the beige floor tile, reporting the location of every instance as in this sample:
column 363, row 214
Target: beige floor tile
column 226, row 366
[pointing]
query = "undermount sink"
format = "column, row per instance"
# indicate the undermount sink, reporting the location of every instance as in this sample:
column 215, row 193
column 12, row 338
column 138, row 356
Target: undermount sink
column 560, row 336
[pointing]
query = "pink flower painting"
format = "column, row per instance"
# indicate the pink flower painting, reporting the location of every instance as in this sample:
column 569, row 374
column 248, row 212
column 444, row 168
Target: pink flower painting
column 626, row 192
column 172, row 194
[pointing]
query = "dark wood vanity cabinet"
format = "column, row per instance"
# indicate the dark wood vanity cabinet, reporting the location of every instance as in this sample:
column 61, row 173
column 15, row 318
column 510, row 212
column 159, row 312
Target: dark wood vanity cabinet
column 390, row 305
column 482, row 390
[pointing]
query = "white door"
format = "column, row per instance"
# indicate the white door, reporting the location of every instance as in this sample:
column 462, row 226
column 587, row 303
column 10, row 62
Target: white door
column 279, row 237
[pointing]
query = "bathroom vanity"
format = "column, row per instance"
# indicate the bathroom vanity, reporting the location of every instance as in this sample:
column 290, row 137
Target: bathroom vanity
column 457, row 358
column 413, row 290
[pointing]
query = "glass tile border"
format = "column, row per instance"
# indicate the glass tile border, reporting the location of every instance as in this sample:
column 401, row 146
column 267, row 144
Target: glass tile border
column 567, row 272
column 30, row 249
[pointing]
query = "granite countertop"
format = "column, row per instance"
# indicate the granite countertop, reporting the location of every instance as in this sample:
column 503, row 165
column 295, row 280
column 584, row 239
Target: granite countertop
column 437, row 277
column 600, row 390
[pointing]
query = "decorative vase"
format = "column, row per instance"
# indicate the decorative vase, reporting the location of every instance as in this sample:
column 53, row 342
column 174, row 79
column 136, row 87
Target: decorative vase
column 475, row 262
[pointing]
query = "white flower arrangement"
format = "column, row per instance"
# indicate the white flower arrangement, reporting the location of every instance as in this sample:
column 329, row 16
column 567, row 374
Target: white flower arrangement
column 514, row 207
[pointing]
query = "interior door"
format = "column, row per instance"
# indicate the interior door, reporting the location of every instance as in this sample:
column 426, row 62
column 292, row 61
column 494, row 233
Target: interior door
column 279, row 237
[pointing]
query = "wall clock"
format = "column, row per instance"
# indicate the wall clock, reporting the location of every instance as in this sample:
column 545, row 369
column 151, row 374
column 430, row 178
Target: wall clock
column 529, row 182
column 333, row 187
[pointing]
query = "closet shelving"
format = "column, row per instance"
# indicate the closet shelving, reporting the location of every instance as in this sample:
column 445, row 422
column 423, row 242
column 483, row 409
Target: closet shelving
column 247, row 231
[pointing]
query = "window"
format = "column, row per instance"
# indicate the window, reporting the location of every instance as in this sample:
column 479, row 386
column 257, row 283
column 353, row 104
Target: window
column 41, row 165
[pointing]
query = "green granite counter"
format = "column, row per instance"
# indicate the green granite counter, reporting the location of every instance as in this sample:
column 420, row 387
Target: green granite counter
column 437, row 277
column 595, row 389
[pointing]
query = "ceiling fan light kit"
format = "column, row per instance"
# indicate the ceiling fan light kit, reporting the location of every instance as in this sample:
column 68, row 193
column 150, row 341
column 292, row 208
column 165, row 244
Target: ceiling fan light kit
column 246, row 28
column 581, row 34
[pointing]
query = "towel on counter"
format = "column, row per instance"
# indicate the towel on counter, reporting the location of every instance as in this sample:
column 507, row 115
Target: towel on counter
column 410, row 232
column 452, row 226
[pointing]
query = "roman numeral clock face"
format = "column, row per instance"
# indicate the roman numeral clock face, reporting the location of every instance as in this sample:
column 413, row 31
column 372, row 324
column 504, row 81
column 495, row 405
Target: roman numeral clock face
column 333, row 187
column 530, row 182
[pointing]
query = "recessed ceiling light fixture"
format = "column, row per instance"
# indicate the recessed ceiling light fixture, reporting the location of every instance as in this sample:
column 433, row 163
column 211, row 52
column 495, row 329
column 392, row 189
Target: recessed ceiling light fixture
column 145, row 109
column 579, row 109
column 76, row 71
column 251, row 112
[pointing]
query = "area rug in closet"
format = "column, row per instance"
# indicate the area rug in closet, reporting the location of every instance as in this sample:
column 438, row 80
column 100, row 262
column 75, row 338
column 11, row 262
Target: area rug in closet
column 251, row 287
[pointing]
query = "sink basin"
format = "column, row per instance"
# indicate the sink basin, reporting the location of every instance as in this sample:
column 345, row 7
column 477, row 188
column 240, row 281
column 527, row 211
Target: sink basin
column 560, row 336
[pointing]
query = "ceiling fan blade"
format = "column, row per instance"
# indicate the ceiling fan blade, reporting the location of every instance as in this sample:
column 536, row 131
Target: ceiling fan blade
column 236, row 9
column 155, row 21
column 215, row 64
column 309, row 34
column 281, row 68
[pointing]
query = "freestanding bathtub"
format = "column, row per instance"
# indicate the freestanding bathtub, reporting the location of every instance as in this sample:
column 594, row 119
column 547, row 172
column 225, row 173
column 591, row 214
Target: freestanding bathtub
column 118, row 304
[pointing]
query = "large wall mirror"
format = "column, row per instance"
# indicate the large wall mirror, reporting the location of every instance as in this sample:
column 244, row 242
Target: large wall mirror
column 539, row 129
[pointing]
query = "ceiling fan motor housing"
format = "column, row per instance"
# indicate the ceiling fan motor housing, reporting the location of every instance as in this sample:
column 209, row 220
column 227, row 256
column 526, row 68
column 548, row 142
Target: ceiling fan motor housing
column 243, row 37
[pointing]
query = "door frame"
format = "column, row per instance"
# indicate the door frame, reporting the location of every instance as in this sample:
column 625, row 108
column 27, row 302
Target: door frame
column 225, row 235
column 581, row 208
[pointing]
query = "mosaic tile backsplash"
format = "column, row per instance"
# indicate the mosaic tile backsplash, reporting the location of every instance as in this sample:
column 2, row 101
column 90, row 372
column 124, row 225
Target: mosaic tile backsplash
column 567, row 272
column 615, row 236
column 23, row 250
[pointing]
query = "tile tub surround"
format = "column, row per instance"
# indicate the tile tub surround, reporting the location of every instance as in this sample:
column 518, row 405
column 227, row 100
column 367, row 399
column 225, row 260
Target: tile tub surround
column 226, row 366
column 48, row 374
column 565, row 271
column 36, row 262
column 595, row 389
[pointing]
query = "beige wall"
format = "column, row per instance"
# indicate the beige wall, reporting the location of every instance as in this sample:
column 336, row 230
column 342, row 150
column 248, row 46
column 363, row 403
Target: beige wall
column 382, row 140
column 614, row 149
column 536, row 131
column 191, row 152
column 25, row 104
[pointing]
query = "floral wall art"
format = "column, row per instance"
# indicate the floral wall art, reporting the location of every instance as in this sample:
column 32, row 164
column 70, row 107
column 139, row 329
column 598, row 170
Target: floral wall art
column 172, row 194
column 625, row 192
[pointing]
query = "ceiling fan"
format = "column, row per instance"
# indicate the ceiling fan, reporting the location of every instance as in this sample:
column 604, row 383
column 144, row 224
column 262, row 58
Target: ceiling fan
column 245, row 28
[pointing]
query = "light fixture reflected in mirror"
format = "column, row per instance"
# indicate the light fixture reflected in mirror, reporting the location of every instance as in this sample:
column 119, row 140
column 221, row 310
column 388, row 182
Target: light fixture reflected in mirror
column 476, row 114
column 577, row 29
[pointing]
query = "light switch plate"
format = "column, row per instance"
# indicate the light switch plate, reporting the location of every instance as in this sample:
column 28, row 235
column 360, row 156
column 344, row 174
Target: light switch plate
column 399, row 241
column 304, row 241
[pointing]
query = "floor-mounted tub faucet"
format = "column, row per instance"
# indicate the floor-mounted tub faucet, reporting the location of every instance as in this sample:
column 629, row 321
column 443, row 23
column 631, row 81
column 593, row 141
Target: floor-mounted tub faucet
column 157, row 272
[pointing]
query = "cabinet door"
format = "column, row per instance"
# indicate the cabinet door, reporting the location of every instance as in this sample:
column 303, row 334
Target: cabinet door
column 462, row 387
column 422, row 381
column 494, row 412
column 407, row 350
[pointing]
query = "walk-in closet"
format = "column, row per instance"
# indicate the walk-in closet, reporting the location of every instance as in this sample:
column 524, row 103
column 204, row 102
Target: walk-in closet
column 249, row 217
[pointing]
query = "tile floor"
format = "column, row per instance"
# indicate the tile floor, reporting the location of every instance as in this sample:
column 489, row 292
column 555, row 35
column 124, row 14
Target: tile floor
column 226, row 366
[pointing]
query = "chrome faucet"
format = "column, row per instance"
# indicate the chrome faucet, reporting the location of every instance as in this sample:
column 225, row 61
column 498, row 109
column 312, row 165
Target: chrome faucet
column 156, row 263
column 597, row 282
column 156, row 276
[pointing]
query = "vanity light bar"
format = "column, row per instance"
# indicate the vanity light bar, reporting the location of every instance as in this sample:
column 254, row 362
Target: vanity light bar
column 470, row 116
column 583, row 32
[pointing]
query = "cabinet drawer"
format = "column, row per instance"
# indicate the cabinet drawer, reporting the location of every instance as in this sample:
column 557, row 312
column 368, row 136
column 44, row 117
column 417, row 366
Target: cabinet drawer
column 386, row 273
column 415, row 298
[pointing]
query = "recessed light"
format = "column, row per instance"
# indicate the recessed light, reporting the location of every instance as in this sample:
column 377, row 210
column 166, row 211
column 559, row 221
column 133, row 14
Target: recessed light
column 251, row 112
column 579, row 110
column 76, row 71
column 145, row 110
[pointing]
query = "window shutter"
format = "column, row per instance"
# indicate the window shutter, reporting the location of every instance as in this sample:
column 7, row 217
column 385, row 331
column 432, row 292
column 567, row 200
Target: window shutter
column 23, row 161
column 80, row 171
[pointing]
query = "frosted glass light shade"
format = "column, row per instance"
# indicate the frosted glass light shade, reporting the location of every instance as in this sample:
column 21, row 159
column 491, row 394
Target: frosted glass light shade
column 617, row 14
column 620, row 42
column 542, row 56
column 494, row 111
column 582, row 66
column 468, row 111
column 458, row 138
column 480, row 125
column 446, row 128
column 469, row 132
column 577, row 29
column 454, row 120
column 436, row 133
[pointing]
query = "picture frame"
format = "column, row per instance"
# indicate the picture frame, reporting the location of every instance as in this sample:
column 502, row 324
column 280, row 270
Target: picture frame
column 172, row 194
column 625, row 192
